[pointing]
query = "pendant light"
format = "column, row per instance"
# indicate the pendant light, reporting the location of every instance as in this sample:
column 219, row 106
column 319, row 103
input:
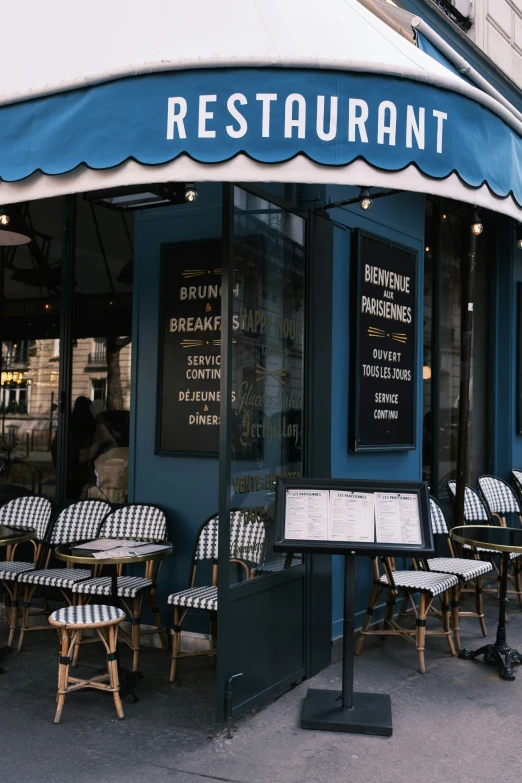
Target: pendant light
column 13, row 229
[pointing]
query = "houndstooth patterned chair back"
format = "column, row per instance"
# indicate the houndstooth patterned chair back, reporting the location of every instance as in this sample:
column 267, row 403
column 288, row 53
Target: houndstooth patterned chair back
column 474, row 508
column 28, row 512
column 247, row 539
column 137, row 520
column 498, row 496
column 516, row 476
column 80, row 521
column 438, row 520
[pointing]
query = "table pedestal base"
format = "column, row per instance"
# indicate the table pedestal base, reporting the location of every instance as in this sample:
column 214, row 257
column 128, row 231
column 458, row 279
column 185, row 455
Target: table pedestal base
column 495, row 655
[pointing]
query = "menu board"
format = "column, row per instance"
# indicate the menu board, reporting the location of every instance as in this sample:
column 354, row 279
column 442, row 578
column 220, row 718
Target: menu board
column 383, row 375
column 332, row 515
column 190, row 306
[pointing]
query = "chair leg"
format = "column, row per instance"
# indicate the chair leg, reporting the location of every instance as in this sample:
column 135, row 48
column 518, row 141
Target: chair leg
column 13, row 614
column 479, row 605
column 373, row 600
column 175, row 643
column 28, row 593
column 390, row 606
column 518, row 579
column 63, row 673
column 112, row 665
column 455, row 611
column 421, row 631
column 157, row 620
column 136, row 633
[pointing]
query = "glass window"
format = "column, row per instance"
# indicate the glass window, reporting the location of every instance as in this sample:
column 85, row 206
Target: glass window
column 267, row 365
column 447, row 247
column 98, row 438
column 30, row 351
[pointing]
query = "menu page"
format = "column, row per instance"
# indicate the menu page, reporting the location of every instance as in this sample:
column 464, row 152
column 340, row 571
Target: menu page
column 307, row 514
column 410, row 519
column 351, row 516
column 387, row 518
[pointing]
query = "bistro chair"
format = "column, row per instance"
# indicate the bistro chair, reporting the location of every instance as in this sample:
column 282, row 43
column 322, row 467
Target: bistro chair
column 516, row 479
column 408, row 583
column 30, row 513
column 247, row 548
column 78, row 522
column 136, row 521
column 476, row 513
column 467, row 570
column 71, row 621
column 499, row 498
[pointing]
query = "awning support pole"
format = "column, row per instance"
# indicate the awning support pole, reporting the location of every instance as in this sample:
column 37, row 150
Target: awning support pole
column 466, row 342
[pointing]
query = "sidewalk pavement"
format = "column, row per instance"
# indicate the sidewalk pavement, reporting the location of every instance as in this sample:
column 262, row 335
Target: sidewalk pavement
column 459, row 722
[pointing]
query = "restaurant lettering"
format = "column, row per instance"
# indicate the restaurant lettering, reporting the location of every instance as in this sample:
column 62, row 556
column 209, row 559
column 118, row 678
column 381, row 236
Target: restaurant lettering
column 320, row 115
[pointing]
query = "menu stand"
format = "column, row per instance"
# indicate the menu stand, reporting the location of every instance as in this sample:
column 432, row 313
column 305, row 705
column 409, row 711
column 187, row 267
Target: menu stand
column 346, row 710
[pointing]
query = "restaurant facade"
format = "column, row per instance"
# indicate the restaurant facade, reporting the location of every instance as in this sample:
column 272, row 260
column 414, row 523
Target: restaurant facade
column 251, row 255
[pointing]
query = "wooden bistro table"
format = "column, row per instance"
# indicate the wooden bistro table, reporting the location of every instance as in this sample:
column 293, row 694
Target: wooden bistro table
column 10, row 536
column 68, row 553
column 504, row 540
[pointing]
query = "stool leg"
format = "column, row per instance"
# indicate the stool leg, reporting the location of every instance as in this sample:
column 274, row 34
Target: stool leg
column 175, row 643
column 13, row 614
column 63, row 673
column 112, row 633
column 78, row 602
column 421, row 631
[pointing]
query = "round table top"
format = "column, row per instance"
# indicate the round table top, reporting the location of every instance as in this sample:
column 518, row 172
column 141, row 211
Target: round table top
column 63, row 552
column 10, row 535
column 502, row 539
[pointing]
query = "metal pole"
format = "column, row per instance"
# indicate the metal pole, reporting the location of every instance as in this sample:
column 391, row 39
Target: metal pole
column 466, row 341
column 348, row 630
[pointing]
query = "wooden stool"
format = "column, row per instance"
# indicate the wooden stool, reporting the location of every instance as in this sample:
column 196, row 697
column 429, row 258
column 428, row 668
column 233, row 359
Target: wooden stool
column 77, row 619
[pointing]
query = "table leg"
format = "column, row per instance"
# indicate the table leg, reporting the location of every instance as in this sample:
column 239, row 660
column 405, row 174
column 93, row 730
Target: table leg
column 498, row 654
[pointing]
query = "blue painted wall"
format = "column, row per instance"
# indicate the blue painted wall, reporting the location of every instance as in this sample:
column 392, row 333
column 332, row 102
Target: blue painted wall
column 186, row 488
column 400, row 219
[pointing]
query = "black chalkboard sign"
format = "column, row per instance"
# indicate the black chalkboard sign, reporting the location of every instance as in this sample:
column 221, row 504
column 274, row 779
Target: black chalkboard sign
column 383, row 346
column 190, row 345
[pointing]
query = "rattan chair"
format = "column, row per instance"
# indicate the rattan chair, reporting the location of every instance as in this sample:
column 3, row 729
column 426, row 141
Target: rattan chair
column 501, row 500
column 408, row 583
column 468, row 570
column 78, row 522
column 247, row 548
column 29, row 513
column 476, row 513
column 71, row 622
column 136, row 521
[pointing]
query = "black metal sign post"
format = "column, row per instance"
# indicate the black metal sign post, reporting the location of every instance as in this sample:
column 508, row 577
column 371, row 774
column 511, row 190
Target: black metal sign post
column 346, row 710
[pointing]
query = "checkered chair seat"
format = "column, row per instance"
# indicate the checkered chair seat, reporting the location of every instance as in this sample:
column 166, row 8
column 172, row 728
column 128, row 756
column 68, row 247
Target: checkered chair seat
column 128, row 586
column 55, row 577
column 512, row 555
column 87, row 614
column 464, row 569
column 10, row 570
column 422, row 581
column 196, row 598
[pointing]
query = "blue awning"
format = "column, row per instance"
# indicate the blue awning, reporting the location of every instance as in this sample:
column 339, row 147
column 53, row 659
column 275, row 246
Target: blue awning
column 300, row 96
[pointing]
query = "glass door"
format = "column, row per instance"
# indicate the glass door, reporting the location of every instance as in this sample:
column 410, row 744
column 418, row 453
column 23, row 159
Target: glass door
column 261, row 595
